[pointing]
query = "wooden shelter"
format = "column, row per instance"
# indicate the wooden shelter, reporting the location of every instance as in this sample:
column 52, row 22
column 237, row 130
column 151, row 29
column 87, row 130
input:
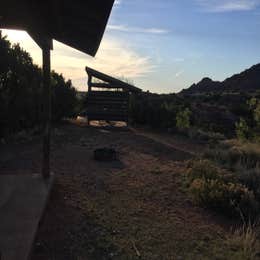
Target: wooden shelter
column 79, row 24
column 108, row 97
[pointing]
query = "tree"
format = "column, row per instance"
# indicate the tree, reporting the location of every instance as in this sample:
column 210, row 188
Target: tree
column 21, row 101
column 64, row 98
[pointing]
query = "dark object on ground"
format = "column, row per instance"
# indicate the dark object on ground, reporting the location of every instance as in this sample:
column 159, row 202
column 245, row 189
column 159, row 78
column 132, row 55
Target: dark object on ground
column 105, row 154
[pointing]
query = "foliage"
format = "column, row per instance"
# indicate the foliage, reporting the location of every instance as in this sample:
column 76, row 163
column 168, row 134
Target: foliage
column 157, row 111
column 207, row 112
column 220, row 190
column 251, row 179
column 254, row 105
column 242, row 158
column 204, row 136
column 242, row 130
column 183, row 119
column 236, row 155
column 64, row 99
column 205, row 169
column 21, row 91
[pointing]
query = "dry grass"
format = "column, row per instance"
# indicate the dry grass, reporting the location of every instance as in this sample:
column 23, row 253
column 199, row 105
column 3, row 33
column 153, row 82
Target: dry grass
column 243, row 241
column 247, row 148
column 235, row 154
column 123, row 210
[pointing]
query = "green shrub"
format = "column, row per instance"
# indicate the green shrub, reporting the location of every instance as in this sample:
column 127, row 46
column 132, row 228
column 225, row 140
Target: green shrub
column 183, row 119
column 205, row 169
column 228, row 198
column 254, row 105
column 220, row 190
column 242, row 129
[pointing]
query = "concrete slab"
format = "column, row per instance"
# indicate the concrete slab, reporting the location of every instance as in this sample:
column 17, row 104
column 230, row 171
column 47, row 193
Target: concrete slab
column 23, row 200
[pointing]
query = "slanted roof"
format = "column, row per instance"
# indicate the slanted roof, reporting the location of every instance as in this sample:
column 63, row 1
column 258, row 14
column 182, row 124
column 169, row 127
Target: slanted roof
column 78, row 23
column 111, row 82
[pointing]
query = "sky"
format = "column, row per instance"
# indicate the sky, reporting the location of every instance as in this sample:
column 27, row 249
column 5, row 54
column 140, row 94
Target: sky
column 165, row 45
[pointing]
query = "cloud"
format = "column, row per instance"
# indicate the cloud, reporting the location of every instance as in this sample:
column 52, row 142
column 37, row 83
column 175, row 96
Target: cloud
column 115, row 57
column 124, row 28
column 228, row 5
column 179, row 73
column 117, row 2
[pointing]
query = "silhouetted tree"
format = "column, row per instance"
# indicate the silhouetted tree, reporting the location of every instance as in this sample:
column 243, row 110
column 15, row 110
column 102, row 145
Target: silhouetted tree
column 21, row 99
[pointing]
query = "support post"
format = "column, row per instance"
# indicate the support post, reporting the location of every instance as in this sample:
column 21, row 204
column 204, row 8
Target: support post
column 46, row 60
column 89, row 83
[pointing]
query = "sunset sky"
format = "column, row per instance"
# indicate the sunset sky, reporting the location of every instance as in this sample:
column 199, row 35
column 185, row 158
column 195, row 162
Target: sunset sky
column 165, row 45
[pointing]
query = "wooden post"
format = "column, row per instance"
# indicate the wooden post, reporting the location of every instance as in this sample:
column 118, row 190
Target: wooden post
column 46, row 44
column 46, row 60
column 89, row 83
column 89, row 90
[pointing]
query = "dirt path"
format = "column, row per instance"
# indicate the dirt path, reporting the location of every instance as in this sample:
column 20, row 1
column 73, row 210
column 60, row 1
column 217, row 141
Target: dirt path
column 131, row 209
column 173, row 141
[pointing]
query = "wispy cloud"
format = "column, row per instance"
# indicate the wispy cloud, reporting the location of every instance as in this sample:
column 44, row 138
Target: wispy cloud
column 117, row 2
column 124, row 28
column 178, row 59
column 179, row 73
column 114, row 58
column 228, row 5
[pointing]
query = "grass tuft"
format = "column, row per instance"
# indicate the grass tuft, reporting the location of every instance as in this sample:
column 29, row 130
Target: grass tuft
column 244, row 243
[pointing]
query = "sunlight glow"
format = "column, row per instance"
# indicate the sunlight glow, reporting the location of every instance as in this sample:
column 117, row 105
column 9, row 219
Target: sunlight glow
column 17, row 36
column 114, row 57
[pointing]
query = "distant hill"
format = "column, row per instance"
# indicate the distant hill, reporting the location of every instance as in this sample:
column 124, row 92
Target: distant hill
column 246, row 81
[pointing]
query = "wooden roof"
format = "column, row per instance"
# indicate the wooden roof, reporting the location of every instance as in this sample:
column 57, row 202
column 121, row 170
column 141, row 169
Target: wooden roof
column 111, row 81
column 78, row 23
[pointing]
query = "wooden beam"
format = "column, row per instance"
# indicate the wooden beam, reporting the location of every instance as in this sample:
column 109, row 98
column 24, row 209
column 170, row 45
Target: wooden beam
column 101, row 85
column 89, row 83
column 106, row 85
column 106, row 94
column 46, row 59
column 112, row 81
column 79, row 24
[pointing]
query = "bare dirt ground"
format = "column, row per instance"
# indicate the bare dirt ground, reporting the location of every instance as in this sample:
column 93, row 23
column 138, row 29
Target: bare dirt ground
column 133, row 208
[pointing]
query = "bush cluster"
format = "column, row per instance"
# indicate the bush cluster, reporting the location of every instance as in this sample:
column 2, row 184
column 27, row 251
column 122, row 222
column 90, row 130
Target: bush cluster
column 181, row 114
column 236, row 155
column 183, row 119
column 157, row 111
column 204, row 136
column 249, row 128
column 218, row 189
column 242, row 129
